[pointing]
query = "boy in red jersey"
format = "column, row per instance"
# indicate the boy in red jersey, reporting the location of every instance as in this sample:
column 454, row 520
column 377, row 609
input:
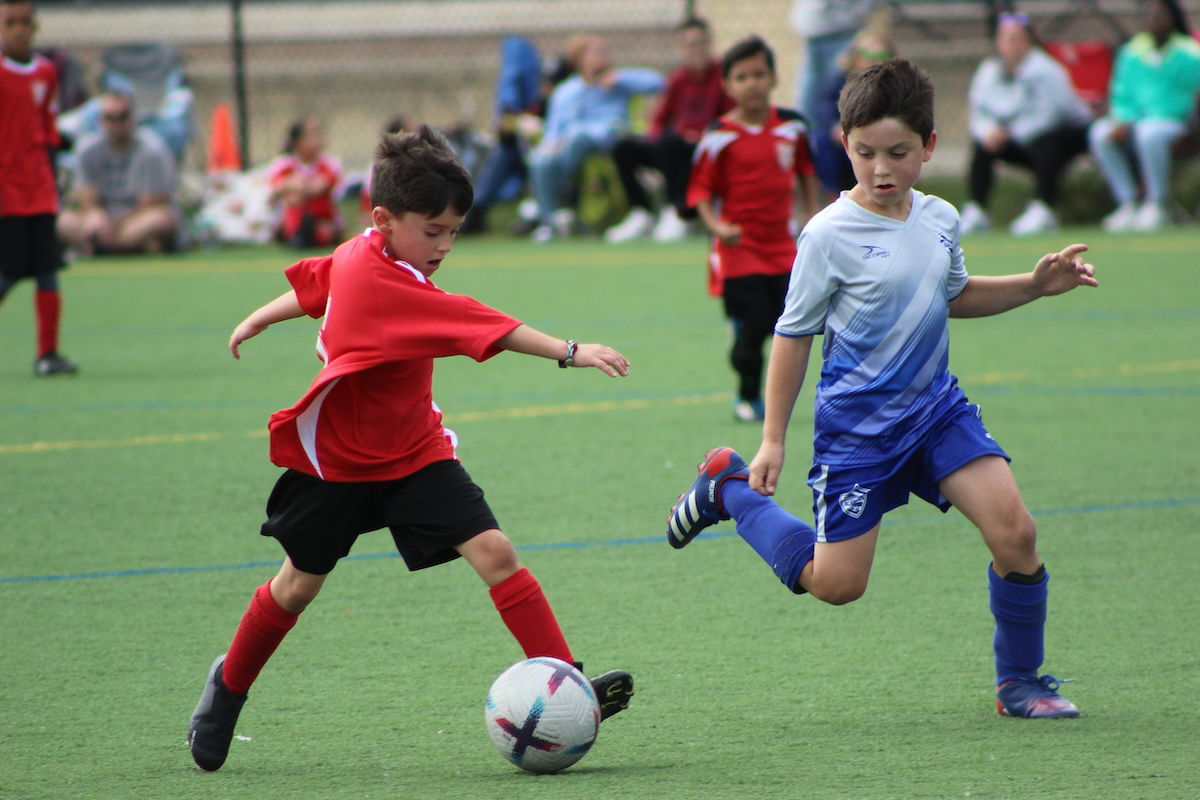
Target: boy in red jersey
column 743, row 183
column 28, row 192
column 365, row 447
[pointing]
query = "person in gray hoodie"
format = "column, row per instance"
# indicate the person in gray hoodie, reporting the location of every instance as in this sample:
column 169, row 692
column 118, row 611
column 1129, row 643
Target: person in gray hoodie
column 1024, row 111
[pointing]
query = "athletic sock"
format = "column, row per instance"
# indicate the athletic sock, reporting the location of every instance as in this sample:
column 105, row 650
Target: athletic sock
column 1020, row 612
column 785, row 542
column 527, row 613
column 262, row 628
column 47, row 305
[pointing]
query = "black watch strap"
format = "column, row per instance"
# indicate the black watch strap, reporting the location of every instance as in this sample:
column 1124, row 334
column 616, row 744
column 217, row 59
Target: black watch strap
column 569, row 361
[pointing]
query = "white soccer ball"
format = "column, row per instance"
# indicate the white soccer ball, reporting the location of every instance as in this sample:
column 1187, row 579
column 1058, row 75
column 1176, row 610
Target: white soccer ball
column 542, row 714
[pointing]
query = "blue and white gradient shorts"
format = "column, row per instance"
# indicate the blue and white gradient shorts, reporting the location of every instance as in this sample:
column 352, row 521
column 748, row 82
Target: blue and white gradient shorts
column 849, row 501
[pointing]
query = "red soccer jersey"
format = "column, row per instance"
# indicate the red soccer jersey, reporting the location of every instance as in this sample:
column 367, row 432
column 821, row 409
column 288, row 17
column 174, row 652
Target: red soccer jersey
column 369, row 414
column 750, row 174
column 28, row 104
column 328, row 168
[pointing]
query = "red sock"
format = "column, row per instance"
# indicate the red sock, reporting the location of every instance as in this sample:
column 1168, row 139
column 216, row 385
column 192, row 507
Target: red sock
column 262, row 628
column 526, row 611
column 48, row 305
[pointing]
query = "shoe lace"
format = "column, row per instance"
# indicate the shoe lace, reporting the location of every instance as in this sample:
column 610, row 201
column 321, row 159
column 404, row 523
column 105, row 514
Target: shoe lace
column 1052, row 683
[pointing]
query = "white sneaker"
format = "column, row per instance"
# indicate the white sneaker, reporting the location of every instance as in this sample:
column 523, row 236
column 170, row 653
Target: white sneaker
column 670, row 227
column 637, row 223
column 1151, row 217
column 542, row 234
column 563, row 222
column 527, row 209
column 748, row 410
column 1036, row 218
column 974, row 219
column 1121, row 219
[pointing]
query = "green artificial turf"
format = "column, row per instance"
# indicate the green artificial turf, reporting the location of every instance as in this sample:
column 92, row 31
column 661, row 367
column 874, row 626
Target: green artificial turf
column 130, row 498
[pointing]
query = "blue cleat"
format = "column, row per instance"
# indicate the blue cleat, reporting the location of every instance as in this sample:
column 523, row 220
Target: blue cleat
column 1033, row 698
column 700, row 506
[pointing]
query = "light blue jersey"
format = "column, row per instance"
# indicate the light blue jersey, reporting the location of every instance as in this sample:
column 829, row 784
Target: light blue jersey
column 879, row 290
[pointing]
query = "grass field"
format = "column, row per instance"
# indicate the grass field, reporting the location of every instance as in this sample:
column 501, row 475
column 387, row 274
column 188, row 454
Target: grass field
column 132, row 494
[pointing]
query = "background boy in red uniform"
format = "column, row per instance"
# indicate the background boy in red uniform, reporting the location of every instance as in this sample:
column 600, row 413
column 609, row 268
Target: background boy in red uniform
column 365, row 447
column 743, row 183
column 28, row 192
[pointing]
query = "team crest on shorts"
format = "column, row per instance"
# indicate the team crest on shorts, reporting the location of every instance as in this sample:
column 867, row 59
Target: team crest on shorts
column 854, row 502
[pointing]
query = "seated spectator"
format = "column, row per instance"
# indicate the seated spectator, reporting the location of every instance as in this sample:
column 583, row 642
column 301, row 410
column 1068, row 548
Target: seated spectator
column 1024, row 111
column 585, row 114
column 1151, row 98
column 693, row 99
column 303, row 181
column 871, row 45
column 124, row 189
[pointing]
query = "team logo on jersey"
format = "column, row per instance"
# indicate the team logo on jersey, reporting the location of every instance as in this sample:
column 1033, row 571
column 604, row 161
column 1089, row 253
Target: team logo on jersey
column 854, row 502
column 785, row 151
column 874, row 251
column 39, row 92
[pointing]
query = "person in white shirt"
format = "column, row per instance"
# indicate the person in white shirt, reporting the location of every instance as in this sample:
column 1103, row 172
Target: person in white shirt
column 1024, row 111
column 826, row 28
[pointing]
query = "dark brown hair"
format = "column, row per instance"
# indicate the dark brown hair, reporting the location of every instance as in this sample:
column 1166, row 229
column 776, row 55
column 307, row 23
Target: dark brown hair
column 745, row 49
column 897, row 88
column 419, row 172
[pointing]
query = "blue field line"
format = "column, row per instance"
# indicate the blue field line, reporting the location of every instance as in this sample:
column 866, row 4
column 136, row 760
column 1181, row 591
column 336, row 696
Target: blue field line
column 530, row 548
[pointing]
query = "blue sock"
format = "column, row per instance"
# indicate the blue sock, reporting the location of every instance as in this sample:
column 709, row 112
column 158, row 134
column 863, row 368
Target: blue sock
column 1020, row 612
column 783, row 541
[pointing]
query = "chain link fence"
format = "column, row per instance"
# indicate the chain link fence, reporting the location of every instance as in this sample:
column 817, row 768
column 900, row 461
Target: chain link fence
column 357, row 63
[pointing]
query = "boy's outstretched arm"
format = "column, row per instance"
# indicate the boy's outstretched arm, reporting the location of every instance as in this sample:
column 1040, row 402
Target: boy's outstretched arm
column 785, row 377
column 286, row 306
column 1054, row 273
column 524, row 339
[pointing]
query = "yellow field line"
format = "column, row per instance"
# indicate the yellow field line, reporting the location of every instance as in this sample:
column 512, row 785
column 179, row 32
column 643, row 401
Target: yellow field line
column 467, row 260
column 89, row 444
column 631, row 404
column 599, row 407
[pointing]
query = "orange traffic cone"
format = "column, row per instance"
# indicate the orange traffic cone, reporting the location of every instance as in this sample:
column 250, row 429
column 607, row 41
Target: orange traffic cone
column 223, row 154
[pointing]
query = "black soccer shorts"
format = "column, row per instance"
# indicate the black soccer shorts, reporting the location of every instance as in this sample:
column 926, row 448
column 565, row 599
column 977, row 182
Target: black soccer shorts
column 29, row 246
column 428, row 513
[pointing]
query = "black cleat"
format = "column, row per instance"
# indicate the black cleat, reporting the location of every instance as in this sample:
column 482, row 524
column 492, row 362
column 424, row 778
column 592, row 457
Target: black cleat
column 613, row 690
column 211, row 728
column 53, row 364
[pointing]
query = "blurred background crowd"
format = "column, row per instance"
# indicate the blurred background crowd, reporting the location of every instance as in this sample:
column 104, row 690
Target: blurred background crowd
column 255, row 120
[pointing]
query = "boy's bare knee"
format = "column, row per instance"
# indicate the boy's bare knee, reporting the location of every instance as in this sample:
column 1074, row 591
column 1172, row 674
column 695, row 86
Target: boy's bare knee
column 492, row 555
column 293, row 590
column 1019, row 534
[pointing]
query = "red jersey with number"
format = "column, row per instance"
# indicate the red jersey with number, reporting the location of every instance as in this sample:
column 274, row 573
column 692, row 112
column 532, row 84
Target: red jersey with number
column 750, row 174
column 28, row 105
column 369, row 414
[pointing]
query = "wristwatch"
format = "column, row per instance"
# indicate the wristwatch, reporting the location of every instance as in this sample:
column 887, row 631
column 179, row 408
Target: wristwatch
column 569, row 361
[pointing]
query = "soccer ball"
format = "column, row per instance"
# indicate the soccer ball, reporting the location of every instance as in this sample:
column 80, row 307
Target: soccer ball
column 542, row 714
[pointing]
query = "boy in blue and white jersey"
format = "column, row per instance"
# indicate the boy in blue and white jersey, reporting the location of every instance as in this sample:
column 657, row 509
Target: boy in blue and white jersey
column 878, row 272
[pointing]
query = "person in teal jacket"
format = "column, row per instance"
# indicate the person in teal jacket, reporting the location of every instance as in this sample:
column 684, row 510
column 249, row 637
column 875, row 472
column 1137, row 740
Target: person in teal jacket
column 584, row 114
column 1152, row 97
